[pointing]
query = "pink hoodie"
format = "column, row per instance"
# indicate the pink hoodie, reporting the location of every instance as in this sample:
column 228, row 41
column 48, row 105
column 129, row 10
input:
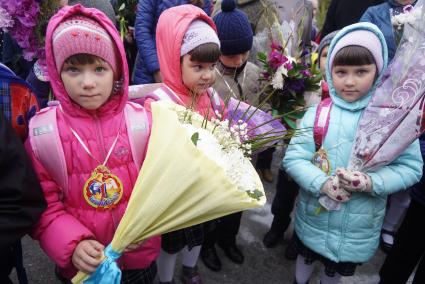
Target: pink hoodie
column 172, row 26
column 68, row 218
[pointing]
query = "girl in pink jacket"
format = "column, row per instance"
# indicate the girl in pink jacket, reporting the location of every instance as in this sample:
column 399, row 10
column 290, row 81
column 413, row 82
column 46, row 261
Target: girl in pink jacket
column 188, row 49
column 89, row 77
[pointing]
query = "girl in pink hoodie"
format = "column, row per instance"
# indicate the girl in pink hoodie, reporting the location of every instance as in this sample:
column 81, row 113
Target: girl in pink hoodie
column 89, row 77
column 188, row 49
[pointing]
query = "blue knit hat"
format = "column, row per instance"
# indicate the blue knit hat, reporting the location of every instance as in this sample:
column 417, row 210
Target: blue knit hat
column 234, row 29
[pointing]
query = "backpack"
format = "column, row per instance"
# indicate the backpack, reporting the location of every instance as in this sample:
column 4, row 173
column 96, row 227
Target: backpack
column 159, row 91
column 47, row 146
column 17, row 100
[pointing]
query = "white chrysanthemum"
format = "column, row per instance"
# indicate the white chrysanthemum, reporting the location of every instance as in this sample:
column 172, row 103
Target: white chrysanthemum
column 231, row 158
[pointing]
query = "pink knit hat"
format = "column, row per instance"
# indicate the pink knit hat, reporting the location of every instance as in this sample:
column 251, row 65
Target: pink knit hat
column 79, row 34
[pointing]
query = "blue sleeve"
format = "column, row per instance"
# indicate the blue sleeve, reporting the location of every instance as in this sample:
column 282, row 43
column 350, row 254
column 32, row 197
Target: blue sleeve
column 145, row 27
column 297, row 162
column 367, row 16
column 401, row 174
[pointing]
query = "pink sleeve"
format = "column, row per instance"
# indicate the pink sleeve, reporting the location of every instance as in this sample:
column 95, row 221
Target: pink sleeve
column 57, row 231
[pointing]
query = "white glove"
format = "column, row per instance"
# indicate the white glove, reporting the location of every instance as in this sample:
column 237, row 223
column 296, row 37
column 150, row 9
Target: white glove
column 332, row 189
column 354, row 181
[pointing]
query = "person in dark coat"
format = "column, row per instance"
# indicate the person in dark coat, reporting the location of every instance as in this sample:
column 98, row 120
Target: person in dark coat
column 408, row 251
column 148, row 12
column 342, row 13
column 21, row 199
column 380, row 15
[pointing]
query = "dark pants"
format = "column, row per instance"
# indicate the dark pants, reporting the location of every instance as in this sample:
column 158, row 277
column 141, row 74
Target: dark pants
column 225, row 232
column 264, row 159
column 408, row 249
column 11, row 256
column 284, row 200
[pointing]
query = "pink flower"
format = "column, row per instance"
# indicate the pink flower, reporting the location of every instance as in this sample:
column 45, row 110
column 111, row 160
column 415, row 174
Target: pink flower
column 276, row 59
column 276, row 46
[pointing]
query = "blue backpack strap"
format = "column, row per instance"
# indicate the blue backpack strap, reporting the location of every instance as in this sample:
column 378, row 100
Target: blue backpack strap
column 47, row 146
column 138, row 131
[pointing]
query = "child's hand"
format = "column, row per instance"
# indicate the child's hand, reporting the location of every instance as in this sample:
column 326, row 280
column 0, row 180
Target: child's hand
column 132, row 247
column 354, row 181
column 332, row 189
column 87, row 255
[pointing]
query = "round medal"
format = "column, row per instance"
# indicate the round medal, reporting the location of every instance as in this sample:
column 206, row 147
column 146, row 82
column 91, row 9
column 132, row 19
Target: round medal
column 102, row 190
column 320, row 160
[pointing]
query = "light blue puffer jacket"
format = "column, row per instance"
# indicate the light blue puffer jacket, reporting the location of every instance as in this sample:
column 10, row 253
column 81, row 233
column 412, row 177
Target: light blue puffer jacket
column 351, row 234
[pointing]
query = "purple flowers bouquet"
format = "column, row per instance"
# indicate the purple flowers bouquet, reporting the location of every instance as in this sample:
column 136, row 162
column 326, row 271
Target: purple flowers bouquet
column 287, row 79
column 26, row 21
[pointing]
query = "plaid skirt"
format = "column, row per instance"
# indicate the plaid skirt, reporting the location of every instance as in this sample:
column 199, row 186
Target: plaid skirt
column 129, row 276
column 331, row 267
column 175, row 241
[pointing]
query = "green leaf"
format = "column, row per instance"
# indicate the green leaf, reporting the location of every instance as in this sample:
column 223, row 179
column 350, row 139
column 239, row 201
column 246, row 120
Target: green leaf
column 256, row 194
column 195, row 138
column 122, row 7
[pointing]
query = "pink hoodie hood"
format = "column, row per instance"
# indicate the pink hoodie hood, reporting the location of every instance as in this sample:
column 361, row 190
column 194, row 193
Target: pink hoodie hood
column 172, row 26
column 116, row 103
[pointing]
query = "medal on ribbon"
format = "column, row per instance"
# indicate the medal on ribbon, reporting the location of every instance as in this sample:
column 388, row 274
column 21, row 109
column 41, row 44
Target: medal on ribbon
column 103, row 189
column 320, row 160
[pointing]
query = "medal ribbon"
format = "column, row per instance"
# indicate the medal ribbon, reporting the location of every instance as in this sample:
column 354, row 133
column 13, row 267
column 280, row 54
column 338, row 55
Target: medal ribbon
column 85, row 146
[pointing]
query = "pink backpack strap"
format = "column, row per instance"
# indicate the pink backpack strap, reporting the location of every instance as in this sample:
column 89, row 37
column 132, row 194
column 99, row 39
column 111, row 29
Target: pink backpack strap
column 321, row 122
column 138, row 131
column 47, row 146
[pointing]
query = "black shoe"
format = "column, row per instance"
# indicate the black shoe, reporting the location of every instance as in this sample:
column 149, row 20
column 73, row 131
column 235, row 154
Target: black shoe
column 386, row 247
column 210, row 258
column 271, row 238
column 233, row 253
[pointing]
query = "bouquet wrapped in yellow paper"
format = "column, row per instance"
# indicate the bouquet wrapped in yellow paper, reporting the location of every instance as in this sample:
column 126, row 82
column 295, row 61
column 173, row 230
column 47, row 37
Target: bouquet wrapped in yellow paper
column 181, row 183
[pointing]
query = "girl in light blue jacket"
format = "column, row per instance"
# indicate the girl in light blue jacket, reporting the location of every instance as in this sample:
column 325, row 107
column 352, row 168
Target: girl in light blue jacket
column 344, row 238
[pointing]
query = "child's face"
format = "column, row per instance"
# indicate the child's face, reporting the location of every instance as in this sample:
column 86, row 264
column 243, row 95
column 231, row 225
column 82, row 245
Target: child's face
column 197, row 76
column 234, row 61
column 89, row 85
column 353, row 82
column 322, row 59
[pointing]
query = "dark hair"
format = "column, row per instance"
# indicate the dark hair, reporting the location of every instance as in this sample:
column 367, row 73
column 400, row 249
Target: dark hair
column 353, row 55
column 207, row 52
column 199, row 3
column 83, row 59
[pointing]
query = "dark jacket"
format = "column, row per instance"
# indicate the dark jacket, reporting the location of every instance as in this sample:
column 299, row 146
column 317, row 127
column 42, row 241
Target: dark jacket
column 418, row 190
column 342, row 13
column 148, row 12
column 21, row 199
column 380, row 15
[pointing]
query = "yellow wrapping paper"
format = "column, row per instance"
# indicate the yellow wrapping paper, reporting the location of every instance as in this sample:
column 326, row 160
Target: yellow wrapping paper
column 177, row 187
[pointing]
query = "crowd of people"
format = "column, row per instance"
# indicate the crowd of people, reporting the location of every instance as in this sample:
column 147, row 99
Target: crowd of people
column 51, row 151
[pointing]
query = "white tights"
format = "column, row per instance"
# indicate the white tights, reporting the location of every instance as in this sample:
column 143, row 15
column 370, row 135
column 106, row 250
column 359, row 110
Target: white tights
column 303, row 273
column 166, row 262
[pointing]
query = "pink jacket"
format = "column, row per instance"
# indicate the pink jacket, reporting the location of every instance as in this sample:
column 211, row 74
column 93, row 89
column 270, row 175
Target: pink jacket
column 68, row 218
column 171, row 28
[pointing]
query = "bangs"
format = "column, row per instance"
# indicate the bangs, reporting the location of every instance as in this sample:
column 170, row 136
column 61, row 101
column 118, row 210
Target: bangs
column 353, row 55
column 207, row 52
column 83, row 59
